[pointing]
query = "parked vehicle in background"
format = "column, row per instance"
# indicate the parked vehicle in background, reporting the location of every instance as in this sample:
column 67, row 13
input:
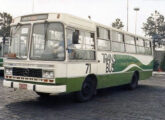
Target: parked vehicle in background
column 60, row 53
column 4, row 47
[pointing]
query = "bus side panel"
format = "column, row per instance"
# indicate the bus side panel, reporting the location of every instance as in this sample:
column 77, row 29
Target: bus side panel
column 61, row 73
column 114, row 79
column 110, row 70
column 118, row 69
column 77, row 72
column 74, row 84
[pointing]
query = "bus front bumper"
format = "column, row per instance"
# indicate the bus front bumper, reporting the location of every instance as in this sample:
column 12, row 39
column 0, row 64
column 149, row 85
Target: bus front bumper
column 52, row 89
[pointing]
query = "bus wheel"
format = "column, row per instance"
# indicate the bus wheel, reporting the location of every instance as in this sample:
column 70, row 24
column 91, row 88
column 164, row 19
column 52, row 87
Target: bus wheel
column 88, row 90
column 43, row 95
column 134, row 82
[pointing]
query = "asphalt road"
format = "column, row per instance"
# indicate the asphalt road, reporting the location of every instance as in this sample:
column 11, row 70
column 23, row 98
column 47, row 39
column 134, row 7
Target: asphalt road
column 147, row 102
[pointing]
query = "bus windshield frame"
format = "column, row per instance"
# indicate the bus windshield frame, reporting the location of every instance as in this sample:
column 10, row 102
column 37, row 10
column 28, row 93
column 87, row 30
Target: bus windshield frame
column 19, row 44
column 48, row 41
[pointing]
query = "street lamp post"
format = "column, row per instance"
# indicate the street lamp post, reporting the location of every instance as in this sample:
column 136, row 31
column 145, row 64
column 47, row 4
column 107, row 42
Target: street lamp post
column 32, row 6
column 127, row 13
column 136, row 9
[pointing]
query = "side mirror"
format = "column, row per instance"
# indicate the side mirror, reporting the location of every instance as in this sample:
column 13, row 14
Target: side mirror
column 75, row 38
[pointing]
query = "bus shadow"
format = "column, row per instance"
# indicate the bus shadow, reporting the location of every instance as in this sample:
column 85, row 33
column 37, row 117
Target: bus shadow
column 69, row 99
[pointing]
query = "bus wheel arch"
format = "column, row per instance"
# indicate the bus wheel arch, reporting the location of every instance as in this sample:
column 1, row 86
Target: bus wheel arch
column 88, row 88
column 93, row 77
column 134, row 81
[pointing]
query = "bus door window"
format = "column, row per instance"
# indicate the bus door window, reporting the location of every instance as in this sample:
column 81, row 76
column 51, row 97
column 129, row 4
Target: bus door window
column 79, row 47
column 55, row 40
column 71, row 39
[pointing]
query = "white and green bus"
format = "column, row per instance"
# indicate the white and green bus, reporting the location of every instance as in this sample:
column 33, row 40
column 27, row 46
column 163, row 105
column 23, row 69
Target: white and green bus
column 59, row 53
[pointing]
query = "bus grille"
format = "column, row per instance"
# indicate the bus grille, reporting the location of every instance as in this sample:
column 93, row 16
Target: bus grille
column 27, row 72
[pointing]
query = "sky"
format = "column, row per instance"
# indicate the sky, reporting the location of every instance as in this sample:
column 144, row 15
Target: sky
column 102, row 11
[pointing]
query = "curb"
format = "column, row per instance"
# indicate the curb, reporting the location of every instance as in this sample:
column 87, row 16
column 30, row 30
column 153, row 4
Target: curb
column 158, row 73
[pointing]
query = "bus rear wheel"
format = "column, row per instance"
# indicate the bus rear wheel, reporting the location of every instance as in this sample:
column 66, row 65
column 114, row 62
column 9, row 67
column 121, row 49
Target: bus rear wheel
column 134, row 82
column 88, row 90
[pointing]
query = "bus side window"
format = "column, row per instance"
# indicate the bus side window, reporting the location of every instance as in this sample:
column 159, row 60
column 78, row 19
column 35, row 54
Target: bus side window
column 103, row 39
column 140, row 46
column 130, row 44
column 148, row 50
column 117, row 42
column 88, row 43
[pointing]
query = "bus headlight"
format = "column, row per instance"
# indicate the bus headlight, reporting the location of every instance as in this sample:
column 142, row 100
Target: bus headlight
column 8, row 71
column 47, row 74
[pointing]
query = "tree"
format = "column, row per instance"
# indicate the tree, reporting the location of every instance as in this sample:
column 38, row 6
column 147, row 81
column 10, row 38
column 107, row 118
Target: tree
column 6, row 20
column 118, row 24
column 155, row 28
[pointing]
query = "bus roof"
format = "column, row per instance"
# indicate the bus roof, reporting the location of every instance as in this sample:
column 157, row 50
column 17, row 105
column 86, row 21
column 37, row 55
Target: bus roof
column 71, row 20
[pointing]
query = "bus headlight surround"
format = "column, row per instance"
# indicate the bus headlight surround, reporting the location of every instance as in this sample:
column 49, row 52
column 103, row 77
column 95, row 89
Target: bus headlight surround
column 47, row 74
column 8, row 71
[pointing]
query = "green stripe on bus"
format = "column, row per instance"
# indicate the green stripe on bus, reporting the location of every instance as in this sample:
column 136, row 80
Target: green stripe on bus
column 75, row 84
column 123, row 61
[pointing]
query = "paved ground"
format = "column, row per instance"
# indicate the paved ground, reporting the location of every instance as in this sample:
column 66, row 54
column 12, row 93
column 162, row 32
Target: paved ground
column 145, row 103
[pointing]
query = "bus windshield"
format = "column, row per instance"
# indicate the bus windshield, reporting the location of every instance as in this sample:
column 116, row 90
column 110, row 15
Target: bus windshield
column 20, row 35
column 47, row 41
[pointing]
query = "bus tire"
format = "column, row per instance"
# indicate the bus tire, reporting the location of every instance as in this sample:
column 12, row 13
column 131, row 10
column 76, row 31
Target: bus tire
column 88, row 90
column 43, row 95
column 134, row 82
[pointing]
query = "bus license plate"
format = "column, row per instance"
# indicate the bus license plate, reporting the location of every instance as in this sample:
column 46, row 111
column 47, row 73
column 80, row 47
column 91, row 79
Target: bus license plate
column 22, row 86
